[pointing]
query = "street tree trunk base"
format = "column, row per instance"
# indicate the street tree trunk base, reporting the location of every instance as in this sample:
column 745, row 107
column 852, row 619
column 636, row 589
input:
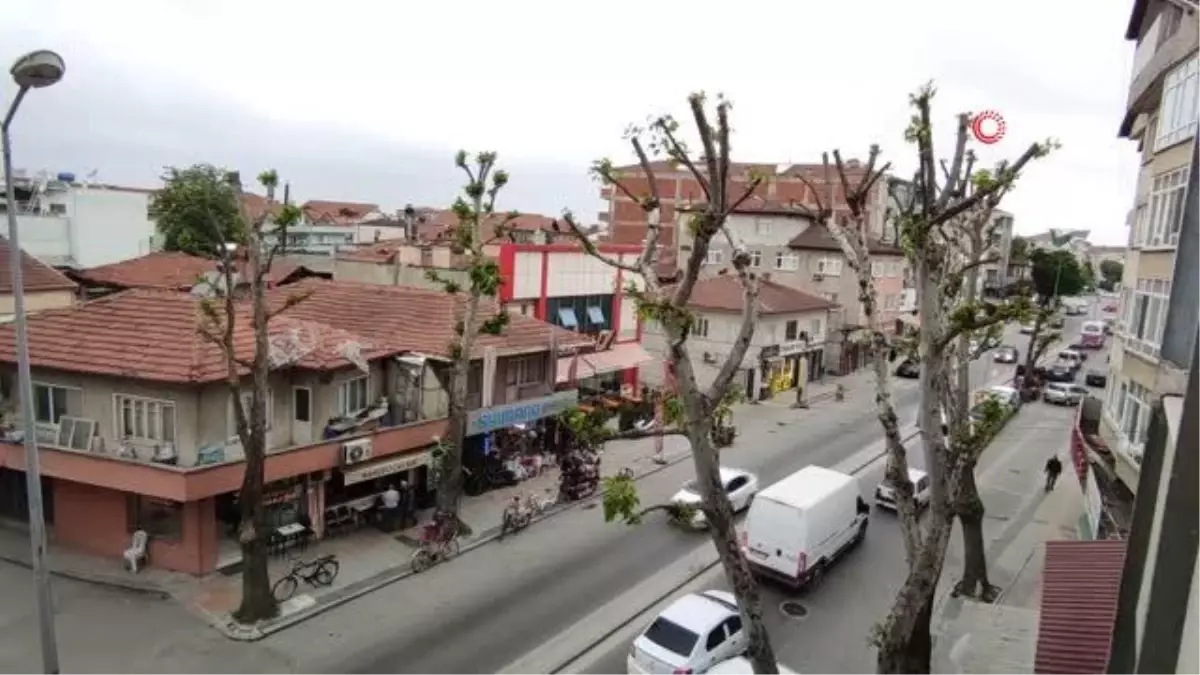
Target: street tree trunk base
column 909, row 652
column 257, row 602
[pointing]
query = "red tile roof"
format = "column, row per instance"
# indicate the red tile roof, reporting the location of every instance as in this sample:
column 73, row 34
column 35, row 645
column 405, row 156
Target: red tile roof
column 437, row 223
column 153, row 334
column 35, row 275
column 724, row 294
column 164, row 269
column 378, row 252
column 339, row 213
column 410, row 319
column 1080, row 584
column 257, row 205
column 818, row 238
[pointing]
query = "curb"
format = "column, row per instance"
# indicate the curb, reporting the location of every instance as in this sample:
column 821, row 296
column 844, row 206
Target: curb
column 232, row 630
column 97, row 580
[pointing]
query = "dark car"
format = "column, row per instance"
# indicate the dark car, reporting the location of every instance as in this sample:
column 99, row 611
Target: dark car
column 1060, row 372
column 1096, row 378
column 1006, row 354
column 909, row 369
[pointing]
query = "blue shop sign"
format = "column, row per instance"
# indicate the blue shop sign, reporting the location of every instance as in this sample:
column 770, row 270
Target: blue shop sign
column 521, row 412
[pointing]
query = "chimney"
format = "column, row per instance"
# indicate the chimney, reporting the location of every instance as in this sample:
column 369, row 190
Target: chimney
column 287, row 193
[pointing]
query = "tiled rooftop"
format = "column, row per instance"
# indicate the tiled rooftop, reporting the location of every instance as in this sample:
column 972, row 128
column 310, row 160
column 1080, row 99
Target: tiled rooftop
column 36, row 275
column 724, row 293
column 165, row 270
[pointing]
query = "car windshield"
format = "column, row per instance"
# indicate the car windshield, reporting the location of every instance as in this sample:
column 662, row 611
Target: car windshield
column 672, row 637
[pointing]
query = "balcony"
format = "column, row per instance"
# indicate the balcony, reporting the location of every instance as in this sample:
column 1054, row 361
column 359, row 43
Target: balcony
column 1156, row 54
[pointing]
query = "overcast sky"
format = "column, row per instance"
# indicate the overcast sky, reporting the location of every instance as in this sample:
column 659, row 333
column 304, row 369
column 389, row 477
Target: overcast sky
column 367, row 101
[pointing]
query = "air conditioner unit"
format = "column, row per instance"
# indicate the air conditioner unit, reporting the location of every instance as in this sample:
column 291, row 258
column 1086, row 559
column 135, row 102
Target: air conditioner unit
column 709, row 357
column 356, row 451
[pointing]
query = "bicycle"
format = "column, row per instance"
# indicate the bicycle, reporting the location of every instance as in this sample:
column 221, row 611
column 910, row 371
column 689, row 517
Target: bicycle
column 436, row 546
column 319, row 572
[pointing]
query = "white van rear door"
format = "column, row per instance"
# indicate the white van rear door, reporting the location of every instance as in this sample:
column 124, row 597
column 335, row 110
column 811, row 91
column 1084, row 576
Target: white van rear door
column 775, row 536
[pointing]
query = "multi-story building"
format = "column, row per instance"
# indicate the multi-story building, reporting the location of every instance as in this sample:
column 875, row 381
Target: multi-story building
column 786, row 243
column 993, row 276
column 136, row 424
column 67, row 223
column 679, row 191
column 1159, row 298
column 787, row 347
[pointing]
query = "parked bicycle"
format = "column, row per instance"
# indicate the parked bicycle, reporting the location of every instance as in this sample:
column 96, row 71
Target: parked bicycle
column 439, row 541
column 319, row 572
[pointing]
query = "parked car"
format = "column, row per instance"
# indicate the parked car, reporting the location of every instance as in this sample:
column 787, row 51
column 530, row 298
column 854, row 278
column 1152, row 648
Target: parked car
column 691, row 635
column 1061, row 372
column 797, row 528
column 885, row 492
column 1006, row 395
column 1026, row 329
column 740, row 486
column 1006, row 354
column 1063, row 393
column 1073, row 356
column 1096, row 378
column 740, row 665
column 1056, row 321
column 909, row 369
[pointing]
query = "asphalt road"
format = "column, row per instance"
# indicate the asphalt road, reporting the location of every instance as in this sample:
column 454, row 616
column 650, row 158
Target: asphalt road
column 481, row 612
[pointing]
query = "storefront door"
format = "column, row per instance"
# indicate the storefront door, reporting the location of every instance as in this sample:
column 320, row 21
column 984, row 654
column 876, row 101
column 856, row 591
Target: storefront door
column 301, row 415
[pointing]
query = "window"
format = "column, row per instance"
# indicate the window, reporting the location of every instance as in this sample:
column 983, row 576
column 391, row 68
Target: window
column 1166, row 208
column 302, row 404
column 523, row 370
column 832, row 297
column 160, row 518
column 58, row 209
column 672, row 637
column 756, row 258
column 566, row 317
column 1177, row 114
column 830, row 267
column 791, row 330
column 787, row 261
column 700, row 327
column 814, row 329
column 596, row 314
column 715, row 638
column 715, row 256
column 144, row 419
column 1146, row 316
column 762, row 226
column 1135, row 412
column 352, row 396
column 268, row 406
column 50, row 402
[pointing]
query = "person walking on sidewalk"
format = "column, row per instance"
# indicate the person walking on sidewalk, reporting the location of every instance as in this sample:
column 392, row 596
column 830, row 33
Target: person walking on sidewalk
column 1053, row 469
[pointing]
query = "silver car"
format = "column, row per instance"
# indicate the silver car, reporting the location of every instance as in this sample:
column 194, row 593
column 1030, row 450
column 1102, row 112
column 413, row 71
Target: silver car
column 1063, row 393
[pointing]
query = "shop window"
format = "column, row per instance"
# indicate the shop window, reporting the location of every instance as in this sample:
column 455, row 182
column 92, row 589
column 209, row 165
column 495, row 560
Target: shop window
column 145, row 419
column 352, row 396
column 50, row 402
column 160, row 518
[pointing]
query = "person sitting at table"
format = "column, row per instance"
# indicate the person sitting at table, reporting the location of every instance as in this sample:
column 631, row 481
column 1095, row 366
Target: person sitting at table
column 391, row 507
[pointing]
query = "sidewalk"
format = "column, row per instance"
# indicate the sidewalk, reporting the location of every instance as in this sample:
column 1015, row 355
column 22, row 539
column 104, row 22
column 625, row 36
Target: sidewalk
column 974, row 637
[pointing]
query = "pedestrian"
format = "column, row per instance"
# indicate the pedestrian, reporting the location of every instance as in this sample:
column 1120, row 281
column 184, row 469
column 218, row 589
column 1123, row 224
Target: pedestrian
column 391, row 507
column 1053, row 469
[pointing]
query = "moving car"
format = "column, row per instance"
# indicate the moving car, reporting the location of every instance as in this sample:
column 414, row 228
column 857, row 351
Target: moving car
column 740, row 665
column 885, row 492
column 740, row 486
column 1092, row 334
column 1061, row 372
column 909, row 369
column 1006, row 354
column 691, row 635
column 1073, row 356
column 1096, row 378
column 801, row 525
column 1063, row 393
column 1026, row 329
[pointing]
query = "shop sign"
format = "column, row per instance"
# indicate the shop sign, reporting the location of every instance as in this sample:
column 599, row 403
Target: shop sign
column 385, row 467
column 521, row 412
column 769, row 352
column 793, row 347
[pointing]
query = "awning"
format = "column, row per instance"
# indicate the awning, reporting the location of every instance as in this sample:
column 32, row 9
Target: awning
column 619, row 357
column 1080, row 583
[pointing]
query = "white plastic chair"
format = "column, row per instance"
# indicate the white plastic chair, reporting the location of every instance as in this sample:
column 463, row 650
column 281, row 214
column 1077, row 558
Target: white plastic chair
column 136, row 553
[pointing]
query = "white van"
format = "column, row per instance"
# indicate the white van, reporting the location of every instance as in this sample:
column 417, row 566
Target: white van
column 801, row 525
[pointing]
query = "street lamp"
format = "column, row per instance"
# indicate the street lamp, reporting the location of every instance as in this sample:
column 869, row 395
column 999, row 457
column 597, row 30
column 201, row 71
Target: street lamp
column 34, row 70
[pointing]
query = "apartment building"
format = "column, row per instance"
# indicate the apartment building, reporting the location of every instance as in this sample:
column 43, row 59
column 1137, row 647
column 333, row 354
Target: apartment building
column 787, row 244
column 679, row 191
column 1159, row 297
column 993, row 276
column 65, row 222
column 136, row 425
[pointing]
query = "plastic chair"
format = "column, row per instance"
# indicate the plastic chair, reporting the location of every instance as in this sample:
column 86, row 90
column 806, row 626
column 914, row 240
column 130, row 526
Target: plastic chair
column 136, row 553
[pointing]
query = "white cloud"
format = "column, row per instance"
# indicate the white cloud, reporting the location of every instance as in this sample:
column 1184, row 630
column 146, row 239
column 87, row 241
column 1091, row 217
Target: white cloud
column 556, row 83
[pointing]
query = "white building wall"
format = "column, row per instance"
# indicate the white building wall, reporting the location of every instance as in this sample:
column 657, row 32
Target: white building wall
column 527, row 277
column 573, row 274
column 86, row 227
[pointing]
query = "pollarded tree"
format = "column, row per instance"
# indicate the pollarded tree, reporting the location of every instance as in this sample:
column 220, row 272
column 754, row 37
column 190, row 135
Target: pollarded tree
column 248, row 263
column 1054, row 273
column 668, row 306
column 478, row 224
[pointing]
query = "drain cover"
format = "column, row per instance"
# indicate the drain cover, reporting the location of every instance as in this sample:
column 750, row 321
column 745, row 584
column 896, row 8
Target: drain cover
column 793, row 609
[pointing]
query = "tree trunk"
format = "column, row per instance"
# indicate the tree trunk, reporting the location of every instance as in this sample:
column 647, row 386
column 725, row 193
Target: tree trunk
column 905, row 642
column 969, row 509
column 719, row 512
column 450, row 479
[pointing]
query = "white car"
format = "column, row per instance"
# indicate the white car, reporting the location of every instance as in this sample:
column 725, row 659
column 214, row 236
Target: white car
column 1063, row 393
column 740, row 665
column 1026, row 328
column 691, row 635
column 885, row 494
column 740, row 486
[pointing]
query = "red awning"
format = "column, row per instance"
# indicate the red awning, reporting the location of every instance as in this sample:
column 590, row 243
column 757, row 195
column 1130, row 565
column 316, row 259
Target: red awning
column 619, row 357
column 1080, row 584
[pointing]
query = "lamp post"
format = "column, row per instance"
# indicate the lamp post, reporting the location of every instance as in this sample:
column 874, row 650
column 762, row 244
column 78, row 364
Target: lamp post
column 34, row 70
